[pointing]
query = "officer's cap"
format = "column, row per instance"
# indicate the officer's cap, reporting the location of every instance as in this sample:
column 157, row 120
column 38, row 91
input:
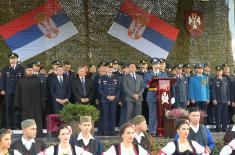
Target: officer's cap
column 179, row 66
column 198, row 66
column 138, row 119
column 101, row 64
column 225, row 65
column 13, row 55
column 187, row 66
column 27, row 123
column 124, row 66
column 218, row 68
column 109, row 64
column 207, row 65
column 37, row 63
column 56, row 62
column 143, row 61
column 162, row 60
column 155, row 61
column 115, row 61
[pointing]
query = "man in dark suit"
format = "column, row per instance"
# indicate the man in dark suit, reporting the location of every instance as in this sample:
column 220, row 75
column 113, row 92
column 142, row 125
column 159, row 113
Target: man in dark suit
column 71, row 76
column 82, row 87
column 133, row 87
column 60, row 89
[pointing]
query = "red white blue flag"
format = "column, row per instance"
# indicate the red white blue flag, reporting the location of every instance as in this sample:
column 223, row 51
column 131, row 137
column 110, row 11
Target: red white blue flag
column 38, row 30
column 143, row 31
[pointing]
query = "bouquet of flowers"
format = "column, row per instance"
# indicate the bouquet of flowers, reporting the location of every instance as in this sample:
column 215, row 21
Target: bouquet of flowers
column 176, row 113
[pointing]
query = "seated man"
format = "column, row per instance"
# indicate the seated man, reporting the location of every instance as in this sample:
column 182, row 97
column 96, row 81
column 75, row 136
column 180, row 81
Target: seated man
column 85, row 140
column 199, row 132
column 143, row 138
column 29, row 144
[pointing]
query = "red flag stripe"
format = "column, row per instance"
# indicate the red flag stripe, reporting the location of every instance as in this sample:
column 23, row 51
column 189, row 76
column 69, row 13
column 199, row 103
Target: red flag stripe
column 152, row 21
column 27, row 20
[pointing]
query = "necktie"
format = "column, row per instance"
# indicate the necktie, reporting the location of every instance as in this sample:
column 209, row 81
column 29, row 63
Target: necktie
column 83, row 86
column 61, row 80
column 133, row 76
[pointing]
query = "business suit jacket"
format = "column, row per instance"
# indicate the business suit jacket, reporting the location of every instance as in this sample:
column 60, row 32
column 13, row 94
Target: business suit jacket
column 77, row 89
column 132, row 87
column 60, row 91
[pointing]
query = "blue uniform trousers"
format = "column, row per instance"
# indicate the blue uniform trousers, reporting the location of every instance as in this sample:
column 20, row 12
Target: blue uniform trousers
column 12, row 118
column 221, row 116
column 152, row 117
column 109, row 117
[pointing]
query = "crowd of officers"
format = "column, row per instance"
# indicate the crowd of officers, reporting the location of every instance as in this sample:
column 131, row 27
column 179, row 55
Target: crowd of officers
column 119, row 91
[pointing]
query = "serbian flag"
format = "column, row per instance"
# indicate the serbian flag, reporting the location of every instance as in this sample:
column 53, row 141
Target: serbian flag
column 38, row 30
column 143, row 31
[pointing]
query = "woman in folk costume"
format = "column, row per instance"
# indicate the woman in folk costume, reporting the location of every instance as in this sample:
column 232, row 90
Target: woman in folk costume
column 183, row 146
column 126, row 147
column 228, row 149
column 5, row 143
column 64, row 147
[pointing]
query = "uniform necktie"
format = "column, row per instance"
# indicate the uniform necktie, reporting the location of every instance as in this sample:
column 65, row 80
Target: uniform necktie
column 83, row 86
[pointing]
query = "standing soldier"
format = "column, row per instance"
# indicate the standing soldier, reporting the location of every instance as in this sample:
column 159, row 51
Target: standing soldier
column 199, row 89
column 151, row 95
column 9, row 78
column 109, row 89
column 210, row 108
column 162, row 68
column 231, row 80
column 181, row 89
column 187, row 71
column 221, row 99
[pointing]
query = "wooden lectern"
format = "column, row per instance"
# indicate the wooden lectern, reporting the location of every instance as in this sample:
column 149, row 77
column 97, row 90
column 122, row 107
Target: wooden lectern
column 163, row 96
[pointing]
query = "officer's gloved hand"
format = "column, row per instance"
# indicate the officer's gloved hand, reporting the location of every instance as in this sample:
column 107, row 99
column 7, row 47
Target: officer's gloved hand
column 172, row 100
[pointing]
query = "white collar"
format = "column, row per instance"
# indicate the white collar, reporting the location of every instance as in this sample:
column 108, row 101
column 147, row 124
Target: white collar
column 195, row 129
column 138, row 137
column 24, row 141
column 233, row 128
column 81, row 137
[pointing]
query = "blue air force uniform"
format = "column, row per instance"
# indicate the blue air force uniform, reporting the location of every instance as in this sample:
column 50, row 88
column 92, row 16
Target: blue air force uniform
column 199, row 91
column 9, row 78
column 109, row 86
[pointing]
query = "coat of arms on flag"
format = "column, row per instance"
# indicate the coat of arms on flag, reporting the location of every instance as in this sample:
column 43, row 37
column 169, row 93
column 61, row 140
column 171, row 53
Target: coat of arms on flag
column 194, row 23
column 143, row 31
column 38, row 30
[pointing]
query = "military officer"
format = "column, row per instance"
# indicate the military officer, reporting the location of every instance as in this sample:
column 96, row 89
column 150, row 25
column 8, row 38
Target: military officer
column 199, row 89
column 162, row 68
column 9, row 77
column 180, row 89
column 151, row 95
column 187, row 71
column 210, row 107
column 97, row 97
column 143, row 67
column 109, row 89
column 36, row 71
column 221, row 99
column 116, row 70
column 231, row 81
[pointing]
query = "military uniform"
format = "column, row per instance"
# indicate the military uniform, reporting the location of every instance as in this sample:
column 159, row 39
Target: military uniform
column 221, row 95
column 109, row 85
column 181, row 91
column 151, row 96
column 199, row 90
column 231, row 83
column 9, row 80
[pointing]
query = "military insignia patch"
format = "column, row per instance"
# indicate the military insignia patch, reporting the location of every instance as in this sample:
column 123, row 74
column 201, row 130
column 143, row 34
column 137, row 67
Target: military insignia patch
column 194, row 23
